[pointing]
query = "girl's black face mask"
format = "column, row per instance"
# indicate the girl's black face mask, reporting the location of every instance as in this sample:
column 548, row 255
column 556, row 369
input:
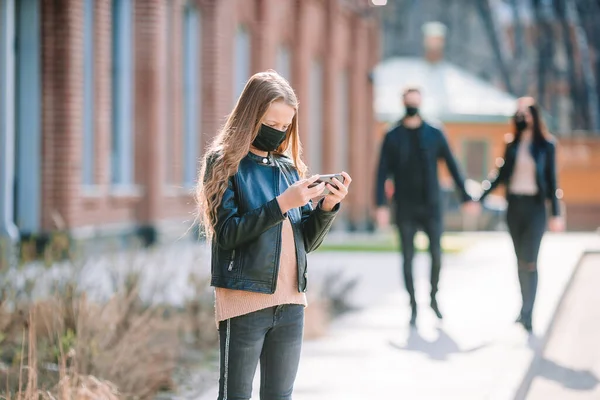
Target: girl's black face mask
column 269, row 139
column 520, row 122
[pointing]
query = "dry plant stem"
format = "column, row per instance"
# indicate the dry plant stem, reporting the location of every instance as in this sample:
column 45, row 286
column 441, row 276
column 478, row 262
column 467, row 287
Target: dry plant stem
column 21, row 366
column 123, row 324
column 64, row 379
column 32, row 358
column 7, row 388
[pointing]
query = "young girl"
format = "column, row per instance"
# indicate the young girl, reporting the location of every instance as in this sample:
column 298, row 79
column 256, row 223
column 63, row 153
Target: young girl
column 529, row 174
column 257, row 210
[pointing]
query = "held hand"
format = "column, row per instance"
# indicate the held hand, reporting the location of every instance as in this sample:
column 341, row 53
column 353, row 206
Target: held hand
column 336, row 195
column 299, row 194
column 472, row 208
column 556, row 224
column 383, row 217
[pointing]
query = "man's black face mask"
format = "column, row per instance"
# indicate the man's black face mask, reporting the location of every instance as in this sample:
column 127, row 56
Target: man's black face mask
column 411, row 111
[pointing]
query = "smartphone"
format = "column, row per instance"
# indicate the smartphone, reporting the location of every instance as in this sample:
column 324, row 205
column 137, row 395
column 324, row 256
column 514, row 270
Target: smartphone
column 332, row 179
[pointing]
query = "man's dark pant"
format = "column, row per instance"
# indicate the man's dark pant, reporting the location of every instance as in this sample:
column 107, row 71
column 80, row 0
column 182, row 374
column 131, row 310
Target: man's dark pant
column 273, row 336
column 408, row 225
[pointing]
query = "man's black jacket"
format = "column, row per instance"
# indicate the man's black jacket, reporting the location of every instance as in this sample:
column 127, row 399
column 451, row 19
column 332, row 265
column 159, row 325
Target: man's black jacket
column 394, row 163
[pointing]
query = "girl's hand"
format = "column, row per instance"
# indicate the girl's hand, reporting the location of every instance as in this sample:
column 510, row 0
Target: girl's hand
column 336, row 195
column 299, row 194
column 556, row 224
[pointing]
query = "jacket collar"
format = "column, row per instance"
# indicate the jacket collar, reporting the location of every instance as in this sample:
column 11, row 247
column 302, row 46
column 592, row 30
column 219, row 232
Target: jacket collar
column 268, row 160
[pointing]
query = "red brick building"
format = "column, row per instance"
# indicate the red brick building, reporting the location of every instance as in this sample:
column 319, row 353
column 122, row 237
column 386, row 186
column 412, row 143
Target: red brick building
column 114, row 101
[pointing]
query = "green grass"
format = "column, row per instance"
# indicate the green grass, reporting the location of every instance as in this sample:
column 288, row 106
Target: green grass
column 390, row 243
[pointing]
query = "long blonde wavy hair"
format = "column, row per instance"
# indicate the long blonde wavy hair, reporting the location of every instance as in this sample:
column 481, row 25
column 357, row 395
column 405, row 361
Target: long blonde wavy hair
column 232, row 143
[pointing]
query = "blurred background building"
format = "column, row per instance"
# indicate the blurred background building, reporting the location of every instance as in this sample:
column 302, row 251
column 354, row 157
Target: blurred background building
column 486, row 54
column 107, row 105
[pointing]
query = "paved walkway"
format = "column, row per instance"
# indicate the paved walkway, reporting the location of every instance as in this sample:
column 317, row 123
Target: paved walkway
column 569, row 368
column 476, row 353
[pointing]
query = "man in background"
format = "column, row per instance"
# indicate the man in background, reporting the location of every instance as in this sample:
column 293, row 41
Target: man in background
column 409, row 156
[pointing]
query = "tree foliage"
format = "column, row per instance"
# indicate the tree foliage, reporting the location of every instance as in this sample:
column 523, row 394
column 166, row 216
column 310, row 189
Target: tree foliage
column 549, row 49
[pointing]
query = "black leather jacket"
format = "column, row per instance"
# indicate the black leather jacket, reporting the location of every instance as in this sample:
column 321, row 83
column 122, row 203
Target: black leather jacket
column 394, row 162
column 246, row 246
column 545, row 172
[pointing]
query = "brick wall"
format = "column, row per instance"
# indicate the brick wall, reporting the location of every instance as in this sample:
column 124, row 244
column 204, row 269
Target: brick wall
column 62, row 118
column 150, row 105
column 309, row 28
column 493, row 134
column 579, row 177
column 578, row 168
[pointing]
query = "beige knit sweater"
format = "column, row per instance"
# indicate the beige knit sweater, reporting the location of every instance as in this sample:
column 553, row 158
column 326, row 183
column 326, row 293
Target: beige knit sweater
column 523, row 181
column 230, row 303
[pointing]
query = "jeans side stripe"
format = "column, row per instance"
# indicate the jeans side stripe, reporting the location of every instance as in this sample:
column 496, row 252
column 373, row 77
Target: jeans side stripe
column 226, row 377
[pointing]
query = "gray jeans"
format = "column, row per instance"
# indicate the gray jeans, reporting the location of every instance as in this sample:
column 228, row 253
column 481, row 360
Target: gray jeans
column 272, row 336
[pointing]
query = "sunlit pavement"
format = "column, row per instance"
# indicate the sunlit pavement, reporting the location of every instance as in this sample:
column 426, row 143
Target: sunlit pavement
column 569, row 367
column 477, row 352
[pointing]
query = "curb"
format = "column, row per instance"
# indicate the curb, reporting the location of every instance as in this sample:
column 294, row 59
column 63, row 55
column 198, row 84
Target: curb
column 525, row 385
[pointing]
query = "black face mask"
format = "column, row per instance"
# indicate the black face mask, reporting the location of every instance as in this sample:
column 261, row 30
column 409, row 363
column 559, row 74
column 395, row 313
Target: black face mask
column 411, row 111
column 268, row 139
column 520, row 122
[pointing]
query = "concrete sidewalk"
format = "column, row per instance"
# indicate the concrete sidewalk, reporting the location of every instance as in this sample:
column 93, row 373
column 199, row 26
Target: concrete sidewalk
column 476, row 353
column 569, row 367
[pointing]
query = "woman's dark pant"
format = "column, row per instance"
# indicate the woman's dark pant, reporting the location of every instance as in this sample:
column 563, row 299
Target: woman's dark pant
column 526, row 217
column 273, row 336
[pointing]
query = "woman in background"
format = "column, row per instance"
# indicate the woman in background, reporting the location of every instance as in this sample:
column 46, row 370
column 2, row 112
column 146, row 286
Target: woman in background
column 529, row 174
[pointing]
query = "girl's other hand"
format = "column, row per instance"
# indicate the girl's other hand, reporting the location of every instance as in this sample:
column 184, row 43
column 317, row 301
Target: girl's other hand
column 337, row 194
column 556, row 224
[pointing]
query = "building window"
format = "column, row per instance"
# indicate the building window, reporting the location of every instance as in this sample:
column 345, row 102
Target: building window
column 191, row 90
column 283, row 63
column 343, row 125
column 27, row 106
column 315, row 125
column 475, row 154
column 241, row 61
column 122, row 155
column 170, row 135
column 7, row 117
column 88, row 155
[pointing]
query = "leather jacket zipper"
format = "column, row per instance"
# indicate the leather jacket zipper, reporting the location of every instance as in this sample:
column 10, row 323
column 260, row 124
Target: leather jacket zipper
column 276, row 172
column 230, row 268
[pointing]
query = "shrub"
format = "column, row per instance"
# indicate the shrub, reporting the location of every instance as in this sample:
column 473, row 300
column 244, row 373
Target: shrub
column 68, row 346
column 330, row 300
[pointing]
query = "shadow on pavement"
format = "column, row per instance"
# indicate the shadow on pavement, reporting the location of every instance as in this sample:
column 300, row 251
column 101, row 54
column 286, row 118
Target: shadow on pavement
column 583, row 380
column 534, row 342
column 438, row 349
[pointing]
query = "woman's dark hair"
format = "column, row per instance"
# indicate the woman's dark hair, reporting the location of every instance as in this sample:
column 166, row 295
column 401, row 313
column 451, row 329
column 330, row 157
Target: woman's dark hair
column 541, row 136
